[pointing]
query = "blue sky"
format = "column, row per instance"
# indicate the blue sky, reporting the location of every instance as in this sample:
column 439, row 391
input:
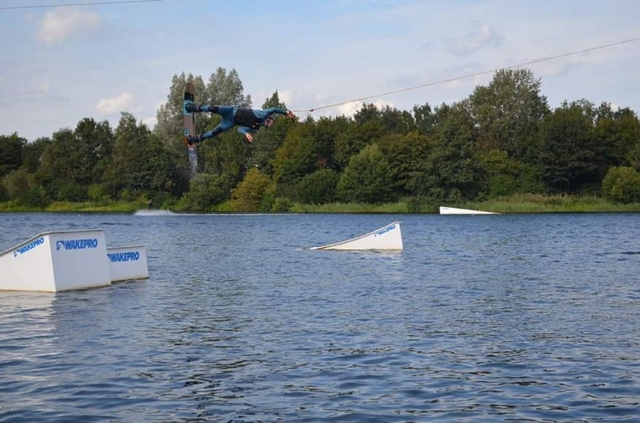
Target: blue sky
column 61, row 64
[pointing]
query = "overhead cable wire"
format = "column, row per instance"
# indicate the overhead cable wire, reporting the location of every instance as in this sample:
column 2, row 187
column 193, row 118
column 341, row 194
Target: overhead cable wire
column 90, row 3
column 457, row 78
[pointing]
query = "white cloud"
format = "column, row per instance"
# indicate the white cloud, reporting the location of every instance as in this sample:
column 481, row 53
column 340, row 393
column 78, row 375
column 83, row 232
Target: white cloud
column 285, row 96
column 482, row 36
column 350, row 109
column 109, row 106
column 63, row 23
column 150, row 121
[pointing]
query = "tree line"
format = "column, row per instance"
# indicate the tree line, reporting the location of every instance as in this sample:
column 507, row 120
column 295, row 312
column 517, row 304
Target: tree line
column 502, row 140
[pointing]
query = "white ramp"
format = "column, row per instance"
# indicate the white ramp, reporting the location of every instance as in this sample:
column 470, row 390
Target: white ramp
column 453, row 210
column 127, row 263
column 386, row 238
column 69, row 260
column 56, row 261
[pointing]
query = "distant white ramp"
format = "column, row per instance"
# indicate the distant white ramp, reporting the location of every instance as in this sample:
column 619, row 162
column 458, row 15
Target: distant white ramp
column 386, row 238
column 453, row 210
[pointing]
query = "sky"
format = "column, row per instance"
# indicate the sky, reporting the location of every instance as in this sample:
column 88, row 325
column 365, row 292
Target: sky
column 59, row 65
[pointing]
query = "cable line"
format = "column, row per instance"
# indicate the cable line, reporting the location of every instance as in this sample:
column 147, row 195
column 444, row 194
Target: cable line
column 457, row 78
column 91, row 3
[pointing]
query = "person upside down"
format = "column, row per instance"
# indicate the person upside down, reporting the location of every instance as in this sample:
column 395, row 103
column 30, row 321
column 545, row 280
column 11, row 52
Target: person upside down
column 247, row 120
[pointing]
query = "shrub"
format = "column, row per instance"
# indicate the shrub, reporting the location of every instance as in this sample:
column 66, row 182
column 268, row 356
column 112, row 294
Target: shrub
column 248, row 196
column 622, row 184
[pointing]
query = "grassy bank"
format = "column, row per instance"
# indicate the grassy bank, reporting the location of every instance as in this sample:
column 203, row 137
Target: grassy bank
column 533, row 203
column 83, row 207
column 524, row 203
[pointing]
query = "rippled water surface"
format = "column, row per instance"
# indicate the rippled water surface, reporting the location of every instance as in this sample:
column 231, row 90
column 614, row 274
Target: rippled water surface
column 481, row 318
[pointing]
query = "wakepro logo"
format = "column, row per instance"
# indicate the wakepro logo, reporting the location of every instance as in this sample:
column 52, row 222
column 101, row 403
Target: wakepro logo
column 28, row 247
column 385, row 230
column 120, row 257
column 77, row 244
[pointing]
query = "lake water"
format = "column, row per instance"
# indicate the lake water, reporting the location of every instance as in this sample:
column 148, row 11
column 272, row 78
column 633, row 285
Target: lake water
column 480, row 319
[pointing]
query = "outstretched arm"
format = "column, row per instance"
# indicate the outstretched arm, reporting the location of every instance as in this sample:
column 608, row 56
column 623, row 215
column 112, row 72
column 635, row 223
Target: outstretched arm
column 277, row 110
column 246, row 132
column 272, row 110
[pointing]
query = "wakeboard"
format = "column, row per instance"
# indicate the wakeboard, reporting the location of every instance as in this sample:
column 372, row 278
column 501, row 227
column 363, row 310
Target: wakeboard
column 189, row 127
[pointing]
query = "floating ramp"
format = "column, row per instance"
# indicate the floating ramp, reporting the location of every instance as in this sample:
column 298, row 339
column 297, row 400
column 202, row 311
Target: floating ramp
column 127, row 263
column 386, row 238
column 69, row 260
column 453, row 210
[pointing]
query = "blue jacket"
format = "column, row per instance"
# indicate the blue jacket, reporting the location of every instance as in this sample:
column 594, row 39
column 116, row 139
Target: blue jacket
column 261, row 114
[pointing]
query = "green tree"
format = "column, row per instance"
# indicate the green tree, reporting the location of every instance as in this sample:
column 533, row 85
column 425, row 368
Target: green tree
column 453, row 171
column 22, row 187
column 11, row 153
column 634, row 157
column 325, row 133
column 226, row 89
column 407, row 156
column 397, row 121
column 251, row 192
column 71, row 161
column 63, row 170
column 207, row 190
column 318, row 187
column 33, row 152
column 427, row 120
column 297, row 155
column 568, row 158
column 355, row 138
column 424, row 117
column 267, row 141
column 502, row 172
column 367, row 178
column 227, row 154
column 617, row 133
column 142, row 163
column 509, row 111
column 274, row 101
column 94, row 143
column 367, row 113
column 169, row 125
column 390, row 118
column 17, row 183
